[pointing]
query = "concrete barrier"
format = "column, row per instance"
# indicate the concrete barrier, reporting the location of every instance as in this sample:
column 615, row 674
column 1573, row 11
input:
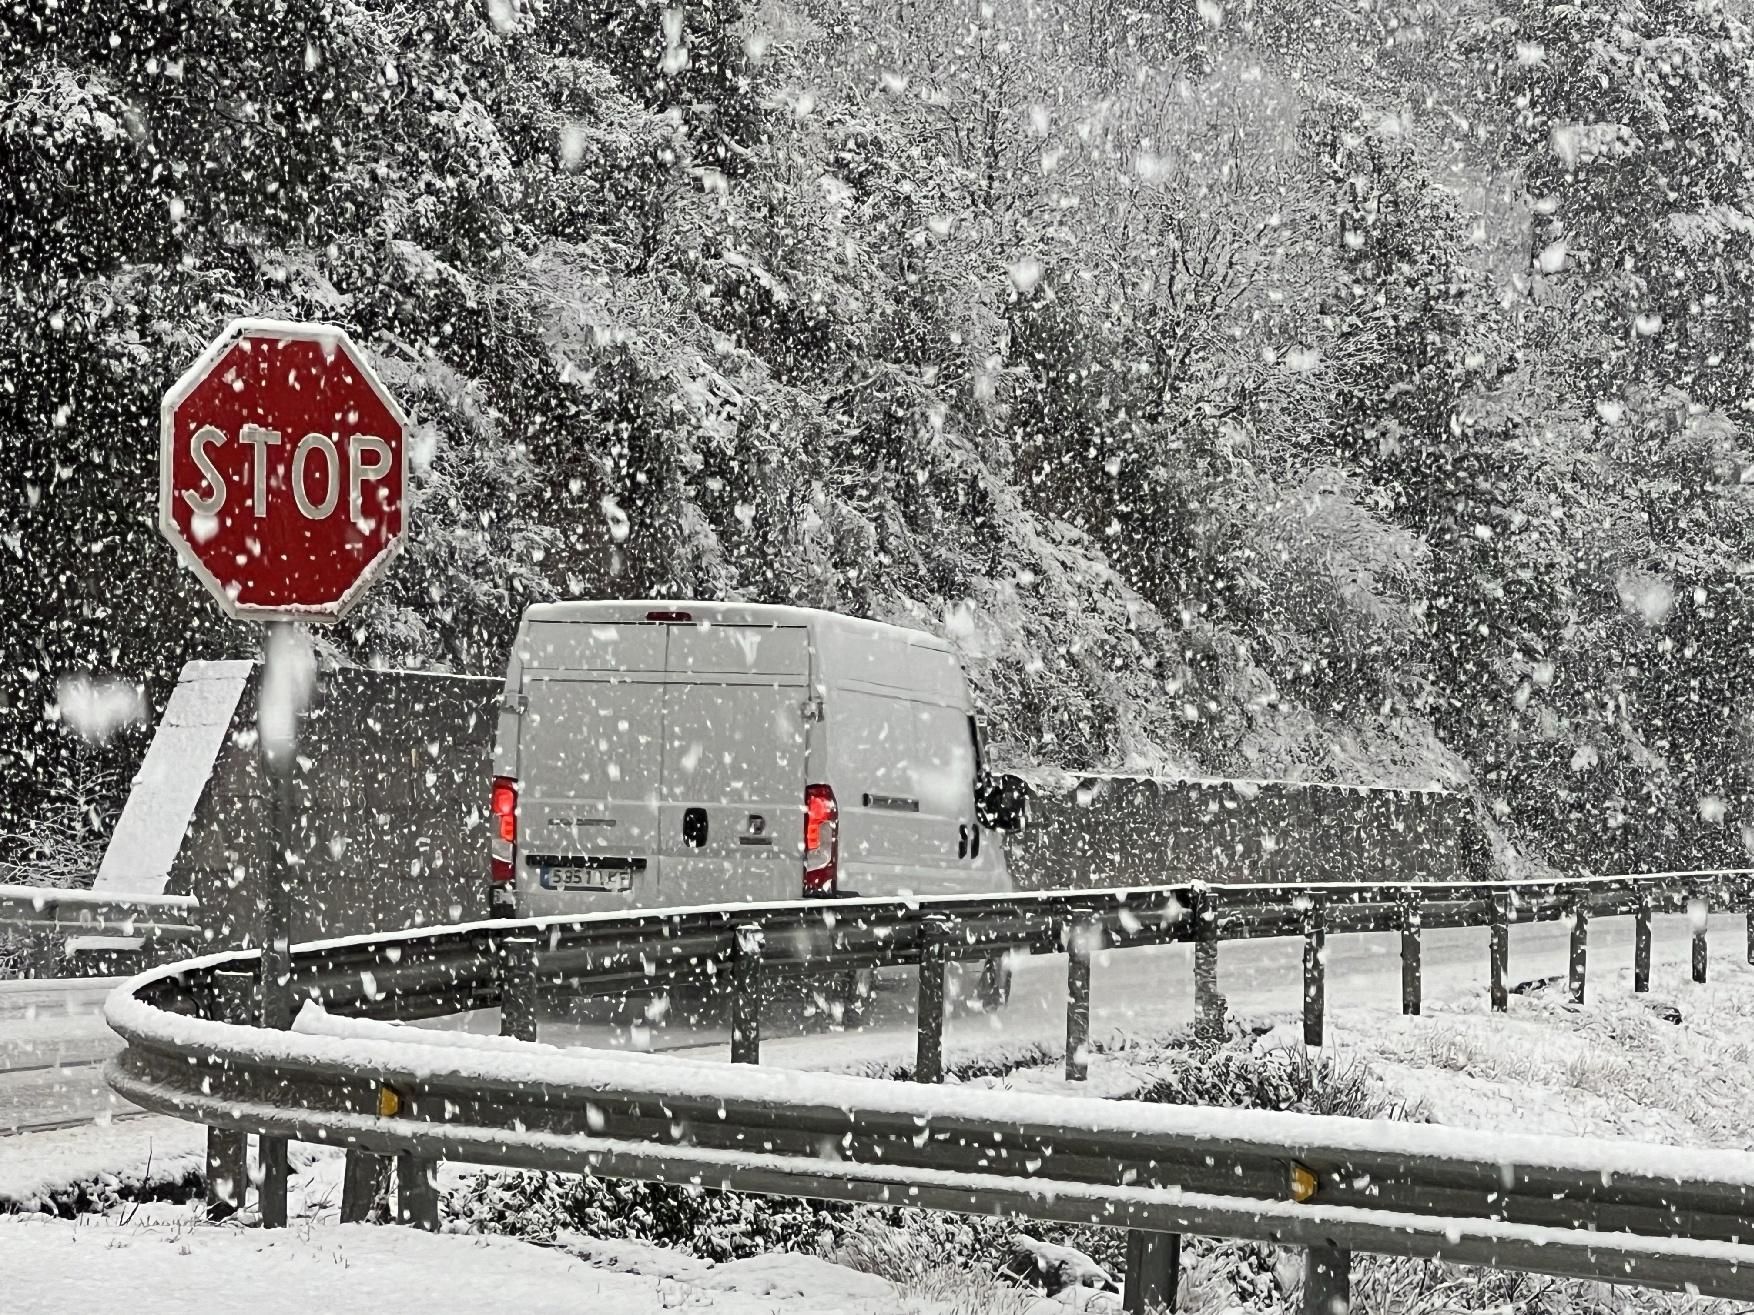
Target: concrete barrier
column 1105, row 830
column 393, row 781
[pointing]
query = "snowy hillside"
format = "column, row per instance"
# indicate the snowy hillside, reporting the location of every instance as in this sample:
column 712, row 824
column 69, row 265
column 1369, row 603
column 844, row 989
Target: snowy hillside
column 1249, row 389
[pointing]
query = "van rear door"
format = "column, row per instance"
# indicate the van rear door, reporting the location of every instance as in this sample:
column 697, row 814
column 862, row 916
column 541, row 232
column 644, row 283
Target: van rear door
column 731, row 816
column 590, row 762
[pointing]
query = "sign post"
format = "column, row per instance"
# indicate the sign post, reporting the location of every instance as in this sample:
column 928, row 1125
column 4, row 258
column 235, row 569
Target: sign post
column 283, row 474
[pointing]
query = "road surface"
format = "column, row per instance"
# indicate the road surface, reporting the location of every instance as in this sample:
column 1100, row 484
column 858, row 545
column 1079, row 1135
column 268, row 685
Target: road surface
column 53, row 1040
column 1143, row 992
column 53, row 1043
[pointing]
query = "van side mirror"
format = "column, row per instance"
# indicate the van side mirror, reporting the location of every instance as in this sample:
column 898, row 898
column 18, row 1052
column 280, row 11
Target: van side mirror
column 1001, row 802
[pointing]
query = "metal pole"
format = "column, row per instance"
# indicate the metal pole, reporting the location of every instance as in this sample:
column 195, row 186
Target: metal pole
column 1410, row 962
column 1327, row 1281
column 1641, row 944
column 1580, row 944
column 278, row 741
column 1315, row 953
column 1082, row 937
column 1502, row 916
column 746, row 995
column 1153, row 1267
column 934, row 959
column 228, row 1151
column 277, row 738
column 1699, row 913
column 517, row 988
column 1208, row 1003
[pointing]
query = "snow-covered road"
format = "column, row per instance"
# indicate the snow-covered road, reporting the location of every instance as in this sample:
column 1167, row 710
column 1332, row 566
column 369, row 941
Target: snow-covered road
column 53, row 1042
column 1140, row 992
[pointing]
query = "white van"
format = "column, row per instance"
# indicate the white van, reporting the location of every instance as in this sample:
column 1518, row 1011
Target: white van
column 663, row 754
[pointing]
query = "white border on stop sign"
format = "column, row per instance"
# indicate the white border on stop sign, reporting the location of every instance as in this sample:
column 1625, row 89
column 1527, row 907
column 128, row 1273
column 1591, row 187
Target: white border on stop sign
column 283, row 330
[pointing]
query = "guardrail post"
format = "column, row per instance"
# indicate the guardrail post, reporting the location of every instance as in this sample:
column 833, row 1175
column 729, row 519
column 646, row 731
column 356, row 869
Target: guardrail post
column 1315, row 953
column 228, row 1171
column 1153, row 1268
column 746, row 995
column 365, row 1181
column 1641, row 944
column 1327, row 1281
column 272, row 1164
column 417, row 1191
column 1747, row 893
column 1698, row 914
column 517, row 987
column 934, row 957
column 1502, row 916
column 1208, row 1003
column 1580, row 950
column 228, row 1151
column 1082, row 937
column 1750, row 920
column 1410, row 965
column 271, row 1154
column 43, row 954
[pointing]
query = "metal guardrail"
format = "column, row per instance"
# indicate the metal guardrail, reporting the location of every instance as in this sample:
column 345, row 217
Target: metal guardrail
column 47, row 908
column 1610, row 1211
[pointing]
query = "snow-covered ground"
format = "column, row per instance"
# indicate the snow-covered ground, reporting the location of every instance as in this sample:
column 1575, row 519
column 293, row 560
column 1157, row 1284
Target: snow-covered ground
column 169, row 1261
column 37, row 1168
column 1615, row 1067
column 164, row 1263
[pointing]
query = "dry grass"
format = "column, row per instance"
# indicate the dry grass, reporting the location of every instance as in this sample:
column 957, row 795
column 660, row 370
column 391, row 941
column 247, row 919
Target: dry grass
column 1687, row 1079
column 916, row 1262
column 1405, row 1287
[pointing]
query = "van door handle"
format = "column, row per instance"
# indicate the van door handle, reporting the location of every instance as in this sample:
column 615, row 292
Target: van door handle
column 962, row 840
column 694, row 828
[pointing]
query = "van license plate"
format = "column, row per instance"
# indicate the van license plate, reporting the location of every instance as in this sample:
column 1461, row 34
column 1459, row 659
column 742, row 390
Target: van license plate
column 614, row 883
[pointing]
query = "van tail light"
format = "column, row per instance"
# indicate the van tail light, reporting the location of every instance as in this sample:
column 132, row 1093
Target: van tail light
column 504, row 807
column 821, row 842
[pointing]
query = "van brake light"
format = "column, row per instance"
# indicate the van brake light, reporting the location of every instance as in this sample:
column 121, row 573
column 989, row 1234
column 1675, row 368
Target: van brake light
column 821, row 841
column 669, row 616
column 503, row 804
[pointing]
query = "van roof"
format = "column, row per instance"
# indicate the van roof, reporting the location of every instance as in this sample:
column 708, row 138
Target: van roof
column 748, row 614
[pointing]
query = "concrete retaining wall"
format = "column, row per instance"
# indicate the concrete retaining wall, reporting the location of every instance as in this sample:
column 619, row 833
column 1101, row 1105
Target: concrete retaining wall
column 1137, row 831
column 393, row 781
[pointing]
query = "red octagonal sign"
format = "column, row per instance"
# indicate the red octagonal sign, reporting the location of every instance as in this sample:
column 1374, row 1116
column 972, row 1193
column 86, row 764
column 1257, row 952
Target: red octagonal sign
column 283, row 471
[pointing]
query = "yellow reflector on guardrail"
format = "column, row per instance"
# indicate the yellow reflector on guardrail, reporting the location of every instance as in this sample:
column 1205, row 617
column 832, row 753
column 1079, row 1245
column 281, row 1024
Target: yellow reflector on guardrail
column 1303, row 1183
column 389, row 1103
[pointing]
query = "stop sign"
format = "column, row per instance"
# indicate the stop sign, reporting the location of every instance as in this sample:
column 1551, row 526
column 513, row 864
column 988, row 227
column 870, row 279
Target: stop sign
column 283, row 471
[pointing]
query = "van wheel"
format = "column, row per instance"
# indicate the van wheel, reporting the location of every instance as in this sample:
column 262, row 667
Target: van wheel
column 994, row 992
